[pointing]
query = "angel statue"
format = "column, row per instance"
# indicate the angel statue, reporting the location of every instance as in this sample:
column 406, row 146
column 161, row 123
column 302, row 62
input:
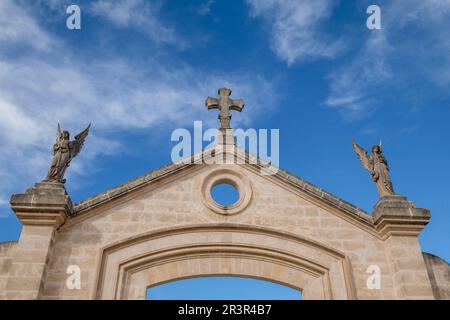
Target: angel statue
column 378, row 167
column 64, row 151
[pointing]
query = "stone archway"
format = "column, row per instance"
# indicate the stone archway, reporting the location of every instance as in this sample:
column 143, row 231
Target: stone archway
column 129, row 267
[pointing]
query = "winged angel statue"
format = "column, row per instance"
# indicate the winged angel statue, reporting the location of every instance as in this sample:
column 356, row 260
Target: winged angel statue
column 64, row 151
column 378, row 167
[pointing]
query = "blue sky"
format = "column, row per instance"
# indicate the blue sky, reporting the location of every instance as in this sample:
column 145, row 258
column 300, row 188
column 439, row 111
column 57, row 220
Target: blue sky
column 222, row 288
column 140, row 69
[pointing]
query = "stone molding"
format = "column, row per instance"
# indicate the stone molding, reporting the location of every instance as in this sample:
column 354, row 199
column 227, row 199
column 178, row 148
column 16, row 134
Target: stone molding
column 395, row 215
column 125, row 267
column 239, row 181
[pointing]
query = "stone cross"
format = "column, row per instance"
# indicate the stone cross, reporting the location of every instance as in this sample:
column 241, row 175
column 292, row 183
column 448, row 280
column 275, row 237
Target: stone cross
column 224, row 103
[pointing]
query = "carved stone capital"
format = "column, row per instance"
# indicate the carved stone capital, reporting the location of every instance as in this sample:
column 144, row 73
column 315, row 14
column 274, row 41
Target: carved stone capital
column 47, row 203
column 396, row 215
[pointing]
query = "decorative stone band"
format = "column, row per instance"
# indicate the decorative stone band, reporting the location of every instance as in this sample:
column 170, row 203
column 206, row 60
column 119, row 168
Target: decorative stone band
column 45, row 204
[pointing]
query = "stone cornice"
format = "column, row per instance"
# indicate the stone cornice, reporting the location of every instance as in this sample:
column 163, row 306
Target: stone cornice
column 395, row 215
column 128, row 187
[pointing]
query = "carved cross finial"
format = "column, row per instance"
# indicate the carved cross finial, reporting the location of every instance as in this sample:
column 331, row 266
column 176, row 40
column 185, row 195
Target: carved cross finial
column 224, row 103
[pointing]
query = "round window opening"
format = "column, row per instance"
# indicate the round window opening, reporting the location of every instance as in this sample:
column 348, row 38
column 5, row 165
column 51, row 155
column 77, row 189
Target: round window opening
column 225, row 194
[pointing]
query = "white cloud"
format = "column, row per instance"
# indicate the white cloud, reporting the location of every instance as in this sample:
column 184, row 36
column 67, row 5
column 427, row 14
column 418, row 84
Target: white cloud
column 17, row 26
column 115, row 95
column 13, row 122
column 353, row 86
column 57, row 5
column 393, row 56
column 4, row 211
column 295, row 28
column 205, row 7
column 139, row 14
column 120, row 12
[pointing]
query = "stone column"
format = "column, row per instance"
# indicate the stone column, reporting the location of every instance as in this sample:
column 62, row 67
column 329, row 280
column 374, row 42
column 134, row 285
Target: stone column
column 400, row 223
column 41, row 210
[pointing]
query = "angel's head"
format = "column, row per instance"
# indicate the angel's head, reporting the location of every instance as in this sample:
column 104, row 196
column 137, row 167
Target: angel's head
column 65, row 135
column 376, row 149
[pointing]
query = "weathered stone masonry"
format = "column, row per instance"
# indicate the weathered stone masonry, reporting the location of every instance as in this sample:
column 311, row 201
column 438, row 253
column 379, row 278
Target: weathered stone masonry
column 163, row 226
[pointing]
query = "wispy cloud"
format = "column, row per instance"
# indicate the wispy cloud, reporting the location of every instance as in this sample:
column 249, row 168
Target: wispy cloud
column 353, row 86
column 114, row 94
column 389, row 60
column 295, row 28
column 17, row 26
column 140, row 15
column 205, row 7
column 4, row 211
column 57, row 5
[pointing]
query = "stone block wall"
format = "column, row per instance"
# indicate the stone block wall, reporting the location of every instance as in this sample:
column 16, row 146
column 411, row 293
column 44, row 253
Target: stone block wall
column 6, row 249
column 114, row 240
column 178, row 203
column 439, row 275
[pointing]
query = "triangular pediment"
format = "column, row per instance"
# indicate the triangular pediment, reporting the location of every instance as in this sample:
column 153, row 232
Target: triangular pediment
column 237, row 156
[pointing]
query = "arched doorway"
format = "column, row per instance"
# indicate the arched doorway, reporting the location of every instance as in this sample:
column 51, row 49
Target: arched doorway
column 129, row 267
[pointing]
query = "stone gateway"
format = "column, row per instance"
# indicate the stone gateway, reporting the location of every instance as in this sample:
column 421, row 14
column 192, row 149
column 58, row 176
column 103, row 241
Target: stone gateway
column 165, row 226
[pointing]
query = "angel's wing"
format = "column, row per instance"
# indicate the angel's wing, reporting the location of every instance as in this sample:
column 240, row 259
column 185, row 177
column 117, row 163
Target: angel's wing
column 58, row 133
column 363, row 156
column 76, row 145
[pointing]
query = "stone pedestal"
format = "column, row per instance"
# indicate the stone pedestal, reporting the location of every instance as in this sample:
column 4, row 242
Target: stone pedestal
column 396, row 213
column 400, row 223
column 41, row 210
column 46, row 204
